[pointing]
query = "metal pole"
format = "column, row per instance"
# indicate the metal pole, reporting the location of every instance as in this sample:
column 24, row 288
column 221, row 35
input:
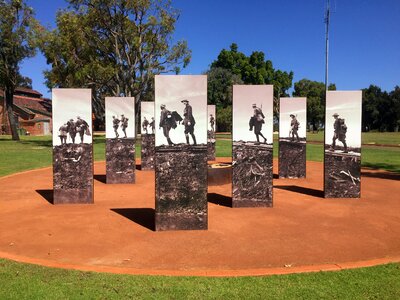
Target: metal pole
column 327, row 19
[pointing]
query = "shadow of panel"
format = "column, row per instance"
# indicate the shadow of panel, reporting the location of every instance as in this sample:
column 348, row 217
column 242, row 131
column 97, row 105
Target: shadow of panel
column 301, row 190
column 386, row 175
column 100, row 177
column 48, row 195
column 143, row 216
column 139, row 167
column 275, row 176
column 219, row 199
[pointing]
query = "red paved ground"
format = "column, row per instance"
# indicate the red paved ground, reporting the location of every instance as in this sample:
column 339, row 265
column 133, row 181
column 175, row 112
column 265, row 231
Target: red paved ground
column 303, row 231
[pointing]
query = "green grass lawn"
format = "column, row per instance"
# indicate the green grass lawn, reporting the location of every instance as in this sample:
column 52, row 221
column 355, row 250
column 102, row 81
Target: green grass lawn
column 25, row 281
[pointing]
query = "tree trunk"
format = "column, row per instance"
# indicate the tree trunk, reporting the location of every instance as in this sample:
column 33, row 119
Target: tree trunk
column 9, row 97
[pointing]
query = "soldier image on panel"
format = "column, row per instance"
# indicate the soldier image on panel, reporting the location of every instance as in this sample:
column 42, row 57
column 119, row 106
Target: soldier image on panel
column 124, row 124
column 294, row 127
column 145, row 123
column 116, row 122
column 71, row 129
column 256, row 122
column 188, row 122
column 166, row 122
column 82, row 128
column 63, row 130
column 152, row 125
column 212, row 122
column 340, row 130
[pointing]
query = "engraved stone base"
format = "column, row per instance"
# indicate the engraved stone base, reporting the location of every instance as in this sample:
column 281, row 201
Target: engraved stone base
column 210, row 145
column 181, row 187
column 73, row 173
column 147, row 152
column 342, row 174
column 120, row 160
column 292, row 158
column 251, row 174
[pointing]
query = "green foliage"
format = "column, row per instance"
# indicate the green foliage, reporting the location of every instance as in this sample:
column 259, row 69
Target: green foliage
column 17, row 42
column 254, row 69
column 224, row 119
column 381, row 110
column 315, row 93
column 114, row 47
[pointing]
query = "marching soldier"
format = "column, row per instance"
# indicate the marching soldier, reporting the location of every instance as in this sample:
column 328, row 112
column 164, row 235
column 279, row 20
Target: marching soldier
column 71, row 129
column 256, row 121
column 82, row 127
column 166, row 122
column 188, row 122
column 116, row 122
column 124, row 124
column 212, row 122
column 152, row 125
column 63, row 133
column 340, row 130
column 145, row 123
column 294, row 127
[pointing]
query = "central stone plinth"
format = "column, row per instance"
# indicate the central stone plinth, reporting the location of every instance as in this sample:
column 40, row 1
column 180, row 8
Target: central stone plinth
column 147, row 151
column 181, row 187
column 120, row 160
column 292, row 158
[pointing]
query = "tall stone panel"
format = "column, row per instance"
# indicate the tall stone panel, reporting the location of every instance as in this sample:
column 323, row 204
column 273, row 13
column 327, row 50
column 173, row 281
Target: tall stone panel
column 120, row 140
column 252, row 150
column 181, row 152
column 292, row 137
column 148, row 127
column 72, row 146
column 342, row 160
column 211, row 129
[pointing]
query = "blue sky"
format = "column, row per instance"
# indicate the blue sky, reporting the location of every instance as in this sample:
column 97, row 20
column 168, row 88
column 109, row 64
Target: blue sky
column 364, row 37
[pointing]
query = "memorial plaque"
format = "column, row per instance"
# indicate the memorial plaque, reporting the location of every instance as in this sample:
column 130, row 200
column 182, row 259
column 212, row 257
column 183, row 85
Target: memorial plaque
column 120, row 140
column 252, row 149
column 181, row 152
column 292, row 137
column 148, row 135
column 72, row 146
column 342, row 161
column 212, row 122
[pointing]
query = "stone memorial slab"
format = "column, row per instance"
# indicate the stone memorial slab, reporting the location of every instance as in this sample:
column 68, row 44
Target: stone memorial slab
column 252, row 149
column 72, row 146
column 181, row 152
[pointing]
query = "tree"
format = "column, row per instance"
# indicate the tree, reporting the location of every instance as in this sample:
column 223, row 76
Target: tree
column 220, row 82
column 254, row 69
column 114, row 47
column 17, row 42
column 315, row 93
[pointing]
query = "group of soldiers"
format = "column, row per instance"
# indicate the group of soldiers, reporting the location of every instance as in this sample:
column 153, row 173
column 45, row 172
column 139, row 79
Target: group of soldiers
column 123, row 123
column 169, row 120
column 71, row 128
column 146, row 124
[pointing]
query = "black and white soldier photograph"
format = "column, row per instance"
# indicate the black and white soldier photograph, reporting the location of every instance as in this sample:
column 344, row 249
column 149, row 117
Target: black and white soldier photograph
column 181, row 152
column 252, row 150
column 72, row 146
column 211, row 125
column 292, row 137
column 147, row 135
column 120, row 140
column 343, row 144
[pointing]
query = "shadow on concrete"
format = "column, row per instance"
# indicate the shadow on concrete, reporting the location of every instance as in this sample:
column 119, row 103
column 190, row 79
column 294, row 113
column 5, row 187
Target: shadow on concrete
column 219, row 199
column 48, row 195
column 301, row 190
column 100, row 177
column 142, row 216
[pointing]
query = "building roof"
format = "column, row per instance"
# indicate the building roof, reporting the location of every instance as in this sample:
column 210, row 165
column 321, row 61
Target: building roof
column 28, row 92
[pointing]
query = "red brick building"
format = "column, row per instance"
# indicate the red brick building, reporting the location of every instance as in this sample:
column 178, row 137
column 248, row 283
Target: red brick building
column 33, row 112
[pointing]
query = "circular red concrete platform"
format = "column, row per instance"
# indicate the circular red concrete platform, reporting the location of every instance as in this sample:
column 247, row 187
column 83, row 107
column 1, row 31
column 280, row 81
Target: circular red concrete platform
column 303, row 232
